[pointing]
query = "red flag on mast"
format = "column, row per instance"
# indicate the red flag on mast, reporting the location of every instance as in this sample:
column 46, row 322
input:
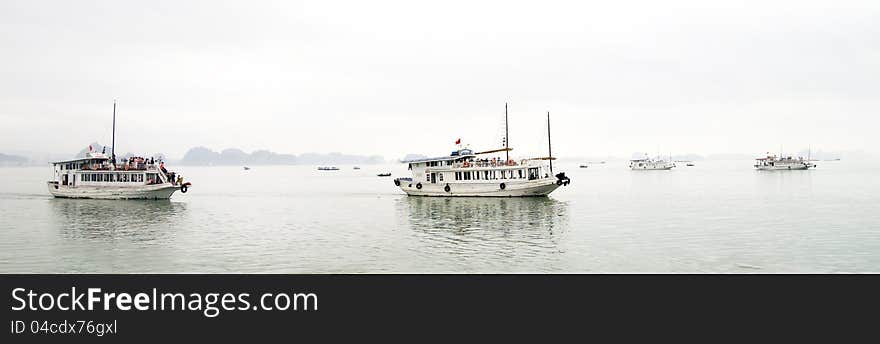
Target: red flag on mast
column 458, row 142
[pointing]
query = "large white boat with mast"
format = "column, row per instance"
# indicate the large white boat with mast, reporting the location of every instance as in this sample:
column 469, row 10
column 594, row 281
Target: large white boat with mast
column 783, row 163
column 98, row 176
column 648, row 164
column 465, row 173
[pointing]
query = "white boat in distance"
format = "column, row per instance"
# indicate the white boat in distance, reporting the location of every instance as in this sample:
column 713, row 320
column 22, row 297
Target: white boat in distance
column 328, row 168
column 464, row 174
column 98, row 176
column 774, row 163
column 649, row 164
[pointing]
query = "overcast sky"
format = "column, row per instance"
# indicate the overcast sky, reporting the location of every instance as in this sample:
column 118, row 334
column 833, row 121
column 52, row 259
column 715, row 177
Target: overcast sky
column 397, row 77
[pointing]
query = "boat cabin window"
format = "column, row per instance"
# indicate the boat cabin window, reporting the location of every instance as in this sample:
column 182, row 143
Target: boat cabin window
column 440, row 176
column 534, row 173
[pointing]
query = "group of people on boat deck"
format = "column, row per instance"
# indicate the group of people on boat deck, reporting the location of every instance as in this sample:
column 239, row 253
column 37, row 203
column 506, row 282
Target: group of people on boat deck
column 139, row 163
column 171, row 176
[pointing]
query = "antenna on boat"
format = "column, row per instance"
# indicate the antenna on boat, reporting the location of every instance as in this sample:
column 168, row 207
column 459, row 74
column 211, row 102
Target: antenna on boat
column 506, row 135
column 549, row 143
column 113, row 140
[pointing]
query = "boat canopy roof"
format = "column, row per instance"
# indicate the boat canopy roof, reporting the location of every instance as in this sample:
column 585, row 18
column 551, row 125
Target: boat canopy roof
column 444, row 158
column 90, row 156
column 495, row 151
column 102, row 158
column 455, row 155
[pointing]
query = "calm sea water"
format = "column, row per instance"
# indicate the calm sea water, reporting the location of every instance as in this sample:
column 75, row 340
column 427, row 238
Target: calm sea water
column 719, row 216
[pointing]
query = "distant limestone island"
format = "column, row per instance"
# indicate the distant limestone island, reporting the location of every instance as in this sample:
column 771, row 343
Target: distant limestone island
column 13, row 160
column 203, row 156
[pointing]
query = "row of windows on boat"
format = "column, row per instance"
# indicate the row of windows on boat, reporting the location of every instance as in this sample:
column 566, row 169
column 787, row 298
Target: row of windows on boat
column 152, row 178
column 530, row 174
column 76, row 166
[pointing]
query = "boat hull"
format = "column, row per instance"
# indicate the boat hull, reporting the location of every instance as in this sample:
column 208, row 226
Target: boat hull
column 783, row 168
column 666, row 168
column 651, row 166
column 163, row 191
column 536, row 188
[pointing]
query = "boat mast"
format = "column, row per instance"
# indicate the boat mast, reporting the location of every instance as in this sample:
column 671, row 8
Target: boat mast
column 506, row 135
column 113, row 140
column 549, row 143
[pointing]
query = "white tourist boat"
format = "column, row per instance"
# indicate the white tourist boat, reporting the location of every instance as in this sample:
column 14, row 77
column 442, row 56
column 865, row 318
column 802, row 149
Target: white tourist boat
column 466, row 173
column 98, row 176
column 649, row 164
column 774, row 163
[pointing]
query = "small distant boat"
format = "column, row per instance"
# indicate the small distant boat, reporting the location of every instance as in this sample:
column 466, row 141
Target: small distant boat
column 247, row 168
column 357, row 168
column 690, row 164
column 384, row 174
column 328, row 168
column 584, row 166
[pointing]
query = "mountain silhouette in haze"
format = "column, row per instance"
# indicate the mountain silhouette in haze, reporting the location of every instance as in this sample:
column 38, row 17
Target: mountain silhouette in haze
column 12, row 160
column 233, row 156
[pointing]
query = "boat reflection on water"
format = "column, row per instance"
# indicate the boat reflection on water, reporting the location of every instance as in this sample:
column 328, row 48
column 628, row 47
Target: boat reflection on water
column 466, row 234
column 114, row 219
column 535, row 215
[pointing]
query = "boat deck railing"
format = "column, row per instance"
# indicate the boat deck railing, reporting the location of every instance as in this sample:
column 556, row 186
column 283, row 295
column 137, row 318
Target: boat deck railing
column 121, row 167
